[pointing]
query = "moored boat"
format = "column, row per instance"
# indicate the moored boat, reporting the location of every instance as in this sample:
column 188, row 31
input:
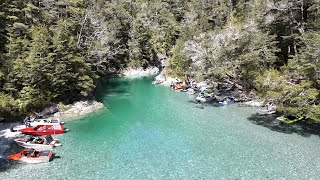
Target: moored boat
column 43, row 143
column 178, row 86
column 37, row 122
column 226, row 101
column 205, row 97
column 184, row 89
column 44, row 130
column 192, row 91
column 32, row 156
column 289, row 119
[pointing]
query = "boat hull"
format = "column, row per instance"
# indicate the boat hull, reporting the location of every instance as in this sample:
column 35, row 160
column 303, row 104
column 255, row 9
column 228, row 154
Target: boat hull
column 204, row 100
column 30, row 145
column 43, row 130
column 34, row 146
column 226, row 102
column 23, row 156
column 35, row 161
column 287, row 120
column 38, row 122
column 42, row 133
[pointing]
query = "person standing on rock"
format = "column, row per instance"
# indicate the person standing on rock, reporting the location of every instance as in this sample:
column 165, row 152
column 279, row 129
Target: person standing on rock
column 26, row 121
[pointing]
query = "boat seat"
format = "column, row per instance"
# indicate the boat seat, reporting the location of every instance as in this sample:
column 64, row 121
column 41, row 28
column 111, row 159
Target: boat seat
column 44, row 153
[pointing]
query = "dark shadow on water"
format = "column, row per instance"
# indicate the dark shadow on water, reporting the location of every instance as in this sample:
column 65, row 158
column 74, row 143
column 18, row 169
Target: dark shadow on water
column 117, row 86
column 269, row 121
column 7, row 147
column 12, row 148
column 216, row 105
column 111, row 86
column 6, row 164
column 192, row 102
column 199, row 104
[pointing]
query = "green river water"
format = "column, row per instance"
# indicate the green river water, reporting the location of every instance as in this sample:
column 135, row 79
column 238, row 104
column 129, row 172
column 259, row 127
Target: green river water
column 152, row 132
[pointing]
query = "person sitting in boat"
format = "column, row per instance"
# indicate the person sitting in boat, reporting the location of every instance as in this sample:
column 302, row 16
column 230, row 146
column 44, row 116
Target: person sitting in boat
column 38, row 140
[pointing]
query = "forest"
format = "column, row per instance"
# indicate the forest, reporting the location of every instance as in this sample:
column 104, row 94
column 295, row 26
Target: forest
column 55, row 51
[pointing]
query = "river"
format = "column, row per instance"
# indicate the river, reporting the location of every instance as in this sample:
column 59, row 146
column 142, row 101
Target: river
column 152, row 132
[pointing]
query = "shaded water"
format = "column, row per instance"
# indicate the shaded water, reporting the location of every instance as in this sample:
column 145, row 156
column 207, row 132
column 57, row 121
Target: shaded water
column 151, row 132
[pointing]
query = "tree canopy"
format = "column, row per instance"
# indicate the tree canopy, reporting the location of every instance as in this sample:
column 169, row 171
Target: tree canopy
column 54, row 51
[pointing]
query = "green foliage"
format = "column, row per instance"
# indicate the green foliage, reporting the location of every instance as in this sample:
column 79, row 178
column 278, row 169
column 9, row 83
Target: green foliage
column 53, row 51
column 270, row 84
column 314, row 113
column 43, row 61
column 307, row 63
column 297, row 99
column 63, row 107
column 179, row 64
column 8, row 107
column 292, row 98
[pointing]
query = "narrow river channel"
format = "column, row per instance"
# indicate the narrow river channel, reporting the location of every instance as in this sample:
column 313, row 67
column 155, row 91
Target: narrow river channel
column 152, row 132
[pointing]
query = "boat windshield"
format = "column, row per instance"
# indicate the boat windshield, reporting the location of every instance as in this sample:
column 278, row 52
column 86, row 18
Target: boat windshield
column 54, row 121
column 30, row 139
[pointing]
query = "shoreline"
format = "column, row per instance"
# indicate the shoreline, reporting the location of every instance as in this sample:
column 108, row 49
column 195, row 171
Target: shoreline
column 255, row 101
column 82, row 108
column 209, row 122
column 139, row 72
column 77, row 110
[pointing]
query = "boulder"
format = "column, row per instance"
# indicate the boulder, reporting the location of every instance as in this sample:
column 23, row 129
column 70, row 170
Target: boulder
column 79, row 109
column 140, row 72
column 164, row 80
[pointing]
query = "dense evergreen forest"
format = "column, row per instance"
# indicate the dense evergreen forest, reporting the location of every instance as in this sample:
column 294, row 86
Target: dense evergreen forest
column 56, row 50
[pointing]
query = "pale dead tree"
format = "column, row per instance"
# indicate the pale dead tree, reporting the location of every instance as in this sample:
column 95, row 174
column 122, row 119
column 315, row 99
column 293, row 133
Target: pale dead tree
column 83, row 23
column 290, row 6
column 292, row 12
column 195, row 51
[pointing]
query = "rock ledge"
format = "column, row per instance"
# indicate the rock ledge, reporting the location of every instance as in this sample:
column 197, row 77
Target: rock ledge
column 77, row 109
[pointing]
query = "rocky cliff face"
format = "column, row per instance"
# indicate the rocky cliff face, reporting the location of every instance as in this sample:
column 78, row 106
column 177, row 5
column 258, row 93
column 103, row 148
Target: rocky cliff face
column 138, row 72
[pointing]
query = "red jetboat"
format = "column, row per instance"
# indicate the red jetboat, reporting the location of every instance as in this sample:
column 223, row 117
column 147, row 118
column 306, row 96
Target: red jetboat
column 44, row 130
column 32, row 156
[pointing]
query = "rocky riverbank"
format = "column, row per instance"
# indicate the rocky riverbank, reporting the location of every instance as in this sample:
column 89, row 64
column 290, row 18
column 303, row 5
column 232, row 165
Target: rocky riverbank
column 162, row 79
column 222, row 90
column 72, row 111
column 140, row 72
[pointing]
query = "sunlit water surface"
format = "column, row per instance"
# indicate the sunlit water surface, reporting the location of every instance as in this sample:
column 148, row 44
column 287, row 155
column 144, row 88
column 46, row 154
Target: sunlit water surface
column 152, row 132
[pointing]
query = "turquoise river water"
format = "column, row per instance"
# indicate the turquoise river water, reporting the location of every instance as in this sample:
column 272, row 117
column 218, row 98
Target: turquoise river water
column 152, row 132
